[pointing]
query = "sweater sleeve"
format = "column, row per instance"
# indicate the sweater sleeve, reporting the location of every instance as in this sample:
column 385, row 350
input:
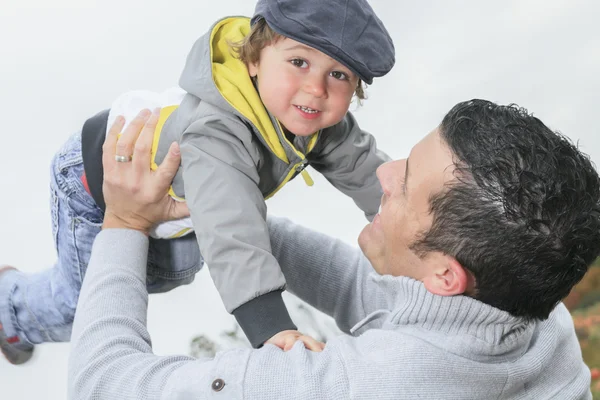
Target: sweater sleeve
column 327, row 273
column 111, row 353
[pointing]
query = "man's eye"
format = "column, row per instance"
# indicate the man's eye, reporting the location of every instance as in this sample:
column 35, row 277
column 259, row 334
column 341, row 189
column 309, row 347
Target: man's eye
column 339, row 75
column 298, row 62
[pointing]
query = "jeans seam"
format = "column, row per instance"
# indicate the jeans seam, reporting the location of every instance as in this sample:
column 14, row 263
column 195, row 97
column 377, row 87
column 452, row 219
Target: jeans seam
column 68, row 157
column 54, row 214
column 75, row 220
column 13, row 315
column 160, row 273
column 77, row 260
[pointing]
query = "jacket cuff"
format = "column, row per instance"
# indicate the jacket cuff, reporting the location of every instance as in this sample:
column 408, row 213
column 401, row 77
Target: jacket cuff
column 262, row 317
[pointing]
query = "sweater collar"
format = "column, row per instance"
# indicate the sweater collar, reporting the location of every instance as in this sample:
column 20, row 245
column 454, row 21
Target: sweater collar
column 411, row 305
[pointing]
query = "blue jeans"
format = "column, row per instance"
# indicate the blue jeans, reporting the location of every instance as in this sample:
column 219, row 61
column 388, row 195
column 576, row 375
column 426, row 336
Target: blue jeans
column 40, row 307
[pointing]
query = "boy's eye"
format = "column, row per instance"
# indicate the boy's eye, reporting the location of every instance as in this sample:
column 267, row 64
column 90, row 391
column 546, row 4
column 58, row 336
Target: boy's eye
column 339, row 75
column 298, row 62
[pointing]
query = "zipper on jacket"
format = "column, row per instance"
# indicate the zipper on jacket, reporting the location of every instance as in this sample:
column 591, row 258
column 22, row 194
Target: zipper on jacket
column 300, row 168
column 303, row 161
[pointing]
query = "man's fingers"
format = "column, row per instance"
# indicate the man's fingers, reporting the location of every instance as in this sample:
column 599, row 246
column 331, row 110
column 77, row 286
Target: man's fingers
column 142, row 153
column 179, row 210
column 129, row 136
column 108, row 148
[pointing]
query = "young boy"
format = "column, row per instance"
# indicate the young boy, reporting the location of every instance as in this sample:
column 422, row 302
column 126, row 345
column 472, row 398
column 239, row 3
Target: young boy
column 263, row 99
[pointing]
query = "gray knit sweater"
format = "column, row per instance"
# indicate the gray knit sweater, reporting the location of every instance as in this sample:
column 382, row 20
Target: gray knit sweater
column 403, row 342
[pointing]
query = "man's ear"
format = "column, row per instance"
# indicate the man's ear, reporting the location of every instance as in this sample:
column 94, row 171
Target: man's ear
column 448, row 278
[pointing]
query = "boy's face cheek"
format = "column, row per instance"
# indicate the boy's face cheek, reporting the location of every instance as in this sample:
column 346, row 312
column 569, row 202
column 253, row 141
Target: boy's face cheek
column 303, row 96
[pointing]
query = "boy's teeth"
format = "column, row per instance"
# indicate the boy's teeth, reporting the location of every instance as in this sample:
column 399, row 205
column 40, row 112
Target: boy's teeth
column 307, row 110
column 379, row 212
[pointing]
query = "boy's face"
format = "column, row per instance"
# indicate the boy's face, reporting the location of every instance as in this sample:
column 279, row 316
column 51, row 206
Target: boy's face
column 303, row 88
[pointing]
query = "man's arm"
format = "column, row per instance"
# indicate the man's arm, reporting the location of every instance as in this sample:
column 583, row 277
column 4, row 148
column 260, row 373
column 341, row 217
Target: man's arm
column 228, row 212
column 348, row 158
column 325, row 272
column 111, row 354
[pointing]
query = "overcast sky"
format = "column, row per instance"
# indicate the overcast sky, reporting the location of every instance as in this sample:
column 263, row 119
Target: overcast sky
column 63, row 60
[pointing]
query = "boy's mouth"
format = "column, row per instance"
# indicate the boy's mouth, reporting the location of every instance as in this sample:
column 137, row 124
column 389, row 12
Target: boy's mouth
column 307, row 109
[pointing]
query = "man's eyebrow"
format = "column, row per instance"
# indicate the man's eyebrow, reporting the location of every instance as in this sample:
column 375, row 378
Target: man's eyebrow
column 406, row 175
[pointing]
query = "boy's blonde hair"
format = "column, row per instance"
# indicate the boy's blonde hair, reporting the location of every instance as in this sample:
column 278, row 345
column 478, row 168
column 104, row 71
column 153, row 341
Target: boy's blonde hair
column 260, row 36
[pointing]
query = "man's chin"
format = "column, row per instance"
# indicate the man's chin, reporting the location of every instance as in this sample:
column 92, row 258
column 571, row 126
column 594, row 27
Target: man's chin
column 365, row 243
column 363, row 238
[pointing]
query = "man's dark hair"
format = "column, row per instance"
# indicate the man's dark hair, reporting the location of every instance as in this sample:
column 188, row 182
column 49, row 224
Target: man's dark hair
column 522, row 215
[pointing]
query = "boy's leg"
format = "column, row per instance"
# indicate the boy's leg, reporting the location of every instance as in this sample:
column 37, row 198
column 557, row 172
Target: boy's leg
column 40, row 307
column 9, row 346
column 172, row 263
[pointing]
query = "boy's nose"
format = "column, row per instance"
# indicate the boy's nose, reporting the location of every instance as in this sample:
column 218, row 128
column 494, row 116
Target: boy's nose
column 315, row 85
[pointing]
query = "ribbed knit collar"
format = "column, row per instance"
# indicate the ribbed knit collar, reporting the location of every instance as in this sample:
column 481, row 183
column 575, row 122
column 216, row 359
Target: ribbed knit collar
column 460, row 317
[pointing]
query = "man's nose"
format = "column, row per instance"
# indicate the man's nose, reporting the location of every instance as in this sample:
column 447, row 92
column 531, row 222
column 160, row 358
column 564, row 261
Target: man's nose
column 389, row 174
column 383, row 177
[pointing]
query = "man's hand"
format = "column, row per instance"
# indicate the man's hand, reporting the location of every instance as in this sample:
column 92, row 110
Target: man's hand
column 285, row 340
column 137, row 197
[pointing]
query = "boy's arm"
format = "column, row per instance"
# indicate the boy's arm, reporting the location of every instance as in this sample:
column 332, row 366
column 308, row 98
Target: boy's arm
column 327, row 273
column 228, row 212
column 348, row 158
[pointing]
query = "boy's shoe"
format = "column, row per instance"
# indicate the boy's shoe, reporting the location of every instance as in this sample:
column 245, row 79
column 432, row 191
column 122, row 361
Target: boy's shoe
column 10, row 346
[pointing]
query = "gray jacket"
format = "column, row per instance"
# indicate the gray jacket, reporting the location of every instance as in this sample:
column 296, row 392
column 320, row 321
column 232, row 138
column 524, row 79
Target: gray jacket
column 234, row 156
column 406, row 343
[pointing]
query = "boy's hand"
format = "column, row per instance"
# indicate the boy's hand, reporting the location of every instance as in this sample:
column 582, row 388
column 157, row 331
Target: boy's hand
column 285, row 340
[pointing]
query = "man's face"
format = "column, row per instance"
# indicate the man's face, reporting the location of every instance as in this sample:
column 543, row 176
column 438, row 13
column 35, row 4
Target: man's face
column 404, row 213
column 303, row 88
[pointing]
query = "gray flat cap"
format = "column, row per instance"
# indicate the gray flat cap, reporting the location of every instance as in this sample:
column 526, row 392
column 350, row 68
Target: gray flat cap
column 346, row 30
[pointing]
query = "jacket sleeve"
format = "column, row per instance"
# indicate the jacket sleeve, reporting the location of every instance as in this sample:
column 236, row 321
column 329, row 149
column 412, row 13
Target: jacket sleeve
column 228, row 212
column 348, row 158
column 327, row 273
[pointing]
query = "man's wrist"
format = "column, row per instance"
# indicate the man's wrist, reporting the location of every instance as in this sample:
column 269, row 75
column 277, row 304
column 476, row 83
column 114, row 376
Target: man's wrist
column 111, row 221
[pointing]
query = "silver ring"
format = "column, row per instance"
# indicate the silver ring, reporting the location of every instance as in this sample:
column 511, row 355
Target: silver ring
column 122, row 158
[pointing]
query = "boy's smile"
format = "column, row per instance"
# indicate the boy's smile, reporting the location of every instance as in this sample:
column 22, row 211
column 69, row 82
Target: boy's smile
column 303, row 88
column 307, row 112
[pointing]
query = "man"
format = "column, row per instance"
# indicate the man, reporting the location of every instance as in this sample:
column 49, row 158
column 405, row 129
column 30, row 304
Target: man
column 483, row 229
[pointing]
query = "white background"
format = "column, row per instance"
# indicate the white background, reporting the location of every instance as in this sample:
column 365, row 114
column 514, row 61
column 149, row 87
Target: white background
column 63, row 60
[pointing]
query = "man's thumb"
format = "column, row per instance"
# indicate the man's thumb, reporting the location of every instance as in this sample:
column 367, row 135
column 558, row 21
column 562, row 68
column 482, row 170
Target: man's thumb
column 179, row 210
column 168, row 168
